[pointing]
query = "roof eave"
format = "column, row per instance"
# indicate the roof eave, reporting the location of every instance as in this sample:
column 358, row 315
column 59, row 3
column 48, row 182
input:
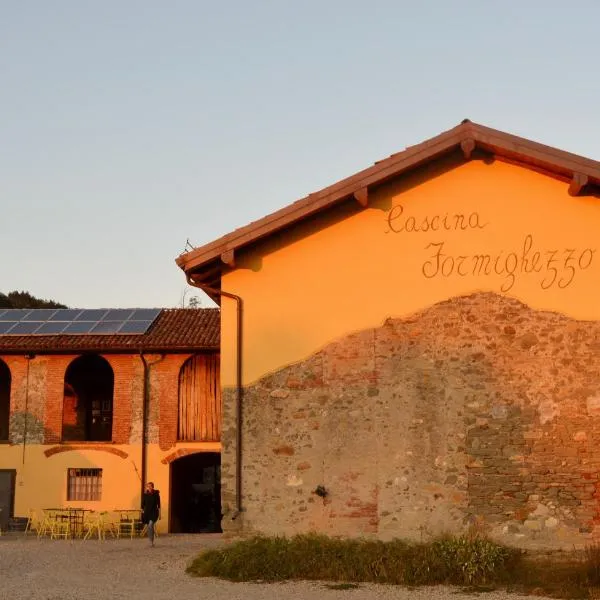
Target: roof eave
column 96, row 350
column 220, row 253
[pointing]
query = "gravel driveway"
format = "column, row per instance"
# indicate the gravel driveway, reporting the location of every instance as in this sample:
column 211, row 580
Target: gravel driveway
column 130, row 569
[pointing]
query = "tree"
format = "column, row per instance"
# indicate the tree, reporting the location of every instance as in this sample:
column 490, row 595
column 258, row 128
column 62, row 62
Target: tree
column 16, row 299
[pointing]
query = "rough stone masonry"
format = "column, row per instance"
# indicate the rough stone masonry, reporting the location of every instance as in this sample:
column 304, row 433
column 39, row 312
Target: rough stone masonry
column 477, row 412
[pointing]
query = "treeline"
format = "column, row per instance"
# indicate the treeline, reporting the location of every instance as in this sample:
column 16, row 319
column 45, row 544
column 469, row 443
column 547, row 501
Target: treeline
column 17, row 299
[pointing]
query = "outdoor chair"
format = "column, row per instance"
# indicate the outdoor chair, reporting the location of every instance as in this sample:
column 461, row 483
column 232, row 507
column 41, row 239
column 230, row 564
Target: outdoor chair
column 128, row 525
column 95, row 525
column 33, row 522
column 59, row 526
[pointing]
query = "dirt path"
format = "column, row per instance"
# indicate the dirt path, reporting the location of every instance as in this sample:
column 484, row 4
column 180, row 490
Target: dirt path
column 130, row 569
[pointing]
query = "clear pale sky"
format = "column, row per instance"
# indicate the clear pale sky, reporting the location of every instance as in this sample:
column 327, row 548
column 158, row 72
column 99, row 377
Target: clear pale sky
column 127, row 127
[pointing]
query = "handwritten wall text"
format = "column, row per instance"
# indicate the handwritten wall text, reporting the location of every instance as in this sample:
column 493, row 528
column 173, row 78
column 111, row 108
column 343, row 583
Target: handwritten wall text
column 555, row 267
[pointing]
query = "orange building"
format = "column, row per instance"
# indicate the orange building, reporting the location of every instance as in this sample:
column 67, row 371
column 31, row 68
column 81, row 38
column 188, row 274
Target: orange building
column 86, row 418
column 416, row 348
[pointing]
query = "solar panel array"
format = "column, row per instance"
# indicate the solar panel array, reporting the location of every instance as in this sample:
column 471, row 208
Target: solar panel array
column 76, row 321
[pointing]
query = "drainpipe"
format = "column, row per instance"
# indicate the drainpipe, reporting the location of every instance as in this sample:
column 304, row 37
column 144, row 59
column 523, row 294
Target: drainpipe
column 239, row 388
column 145, row 408
column 144, row 421
column 26, row 415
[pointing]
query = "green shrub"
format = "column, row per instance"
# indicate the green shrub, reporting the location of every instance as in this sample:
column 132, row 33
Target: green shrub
column 459, row 560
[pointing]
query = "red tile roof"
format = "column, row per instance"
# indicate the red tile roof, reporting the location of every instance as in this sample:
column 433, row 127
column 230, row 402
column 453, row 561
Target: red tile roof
column 178, row 329
column 205, row 264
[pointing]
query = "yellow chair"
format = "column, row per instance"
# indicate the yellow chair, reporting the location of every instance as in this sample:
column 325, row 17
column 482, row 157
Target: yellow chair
column 33, row 522
column 59, row 525
column 94, row 525
column 45, row 526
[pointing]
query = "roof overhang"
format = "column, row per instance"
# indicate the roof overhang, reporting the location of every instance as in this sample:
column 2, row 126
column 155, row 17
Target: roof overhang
column 203, row 266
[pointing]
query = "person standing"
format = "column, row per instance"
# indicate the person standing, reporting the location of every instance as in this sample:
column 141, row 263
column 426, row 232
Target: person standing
column 150, row 509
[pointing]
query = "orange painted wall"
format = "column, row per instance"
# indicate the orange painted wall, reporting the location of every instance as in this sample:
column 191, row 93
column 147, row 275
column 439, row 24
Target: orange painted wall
column 392, row 260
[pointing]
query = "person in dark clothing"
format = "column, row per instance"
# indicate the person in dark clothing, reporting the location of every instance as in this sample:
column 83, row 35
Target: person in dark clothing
column 150, row 509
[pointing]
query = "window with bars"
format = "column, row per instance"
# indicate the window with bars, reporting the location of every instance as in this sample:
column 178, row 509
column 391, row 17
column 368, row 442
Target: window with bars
column 84, row 484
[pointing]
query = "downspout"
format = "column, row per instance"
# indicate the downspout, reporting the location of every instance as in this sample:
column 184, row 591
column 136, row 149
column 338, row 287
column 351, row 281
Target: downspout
column 26, row 415
column 145, row 403
column 145, row 409
column 239, row 388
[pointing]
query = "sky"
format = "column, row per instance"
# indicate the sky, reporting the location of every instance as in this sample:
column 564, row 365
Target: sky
column 128, row 127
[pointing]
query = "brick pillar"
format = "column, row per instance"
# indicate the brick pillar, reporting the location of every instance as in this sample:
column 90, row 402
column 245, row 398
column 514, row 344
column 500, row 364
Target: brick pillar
column 126, row 369
column 55, row 385
column 18, row 372
column 165, row 382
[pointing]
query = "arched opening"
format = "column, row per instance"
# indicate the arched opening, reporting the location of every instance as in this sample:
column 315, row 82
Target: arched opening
column 199, row 407
column 195, row 499
column 4, row 401
column 88, row 400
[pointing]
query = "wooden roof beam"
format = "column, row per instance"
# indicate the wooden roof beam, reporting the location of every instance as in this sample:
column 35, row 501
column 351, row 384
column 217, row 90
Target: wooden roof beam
column 228, row 258
column 467, row 146
column 362, row 196
column 578, row 182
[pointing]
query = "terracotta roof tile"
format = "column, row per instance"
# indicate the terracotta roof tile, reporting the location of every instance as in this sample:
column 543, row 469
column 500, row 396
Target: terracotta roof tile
column 178, row 329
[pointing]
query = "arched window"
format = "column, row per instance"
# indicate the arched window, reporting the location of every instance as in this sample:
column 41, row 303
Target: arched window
column 88, row 400
column 199, row 399
column 4, row 401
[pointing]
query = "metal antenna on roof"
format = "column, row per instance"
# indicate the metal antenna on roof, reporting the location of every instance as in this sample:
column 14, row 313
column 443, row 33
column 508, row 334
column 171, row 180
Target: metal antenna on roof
column 188, row 245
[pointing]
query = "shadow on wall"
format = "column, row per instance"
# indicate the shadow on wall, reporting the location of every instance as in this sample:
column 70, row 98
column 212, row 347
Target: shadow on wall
column 475, row 410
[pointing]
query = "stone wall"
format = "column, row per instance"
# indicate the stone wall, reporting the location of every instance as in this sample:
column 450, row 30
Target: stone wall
column 475, row 412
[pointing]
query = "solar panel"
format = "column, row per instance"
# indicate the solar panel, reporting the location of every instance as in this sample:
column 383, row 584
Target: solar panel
column 51, row 328
column 145, row 314
column 118, row 314
column 65, row 314
column 75, row 321
column 135, row 326
column 93, row 314
column 107, row 327
column 40, row 314
column 6, row 325
column 79, row 327
column 15, row 314
column 24, row 327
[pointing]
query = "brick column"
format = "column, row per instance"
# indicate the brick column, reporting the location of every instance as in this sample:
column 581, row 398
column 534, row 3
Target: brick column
column 126, row 369
column 56, row 367
column 165, row 382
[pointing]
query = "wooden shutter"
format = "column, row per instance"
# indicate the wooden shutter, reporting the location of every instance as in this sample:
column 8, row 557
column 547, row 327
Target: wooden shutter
column 200, row 399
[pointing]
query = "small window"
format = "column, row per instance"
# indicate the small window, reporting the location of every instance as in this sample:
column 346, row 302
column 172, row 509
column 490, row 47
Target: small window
column 84, row 484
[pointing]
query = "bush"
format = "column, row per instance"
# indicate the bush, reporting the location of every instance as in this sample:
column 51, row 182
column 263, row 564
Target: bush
column 460, row 560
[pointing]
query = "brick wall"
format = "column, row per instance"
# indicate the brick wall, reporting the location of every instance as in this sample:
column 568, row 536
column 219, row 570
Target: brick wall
column 37, row 391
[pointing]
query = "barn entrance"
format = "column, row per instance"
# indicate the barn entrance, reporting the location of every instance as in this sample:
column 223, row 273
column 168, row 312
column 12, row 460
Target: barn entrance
column 196, row 493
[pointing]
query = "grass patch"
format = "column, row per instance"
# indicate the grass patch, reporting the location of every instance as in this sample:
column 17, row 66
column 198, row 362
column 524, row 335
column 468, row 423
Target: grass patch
column 342, row 586
column 465, row 560
column 473, row 563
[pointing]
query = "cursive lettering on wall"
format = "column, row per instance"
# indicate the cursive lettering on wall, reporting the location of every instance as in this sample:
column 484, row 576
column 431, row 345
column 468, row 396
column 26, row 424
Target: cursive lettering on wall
column 555, row 267
column 398, row 223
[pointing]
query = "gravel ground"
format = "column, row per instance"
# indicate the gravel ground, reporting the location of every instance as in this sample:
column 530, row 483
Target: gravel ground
column 32, row 569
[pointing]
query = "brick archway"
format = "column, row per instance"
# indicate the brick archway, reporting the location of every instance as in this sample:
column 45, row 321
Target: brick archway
column 100, row 448
column 182, row 452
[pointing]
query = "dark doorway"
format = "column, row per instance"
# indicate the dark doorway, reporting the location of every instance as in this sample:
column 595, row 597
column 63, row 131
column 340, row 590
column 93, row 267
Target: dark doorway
column 4, row 401
column 7, row 496
column 196, row 493
column 88, row 400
